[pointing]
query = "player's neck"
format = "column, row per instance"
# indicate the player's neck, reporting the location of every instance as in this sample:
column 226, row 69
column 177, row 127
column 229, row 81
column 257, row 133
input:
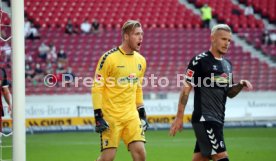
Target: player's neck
column 216, row 54
column 126, row 49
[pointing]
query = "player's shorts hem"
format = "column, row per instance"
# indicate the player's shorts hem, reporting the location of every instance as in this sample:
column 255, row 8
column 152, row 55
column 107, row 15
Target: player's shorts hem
column 144, row 141
column 102, row 149
column 135, row 141
column 210, row 139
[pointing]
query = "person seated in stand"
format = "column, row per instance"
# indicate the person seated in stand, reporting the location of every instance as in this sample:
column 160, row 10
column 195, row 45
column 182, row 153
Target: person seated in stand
column 39, row 74
column 70, row 28
column 33, row 33
column 62, row 57
column 85, row 27
column 266, row 38
column 248, row 11
column 43, row 49
column 95, row 26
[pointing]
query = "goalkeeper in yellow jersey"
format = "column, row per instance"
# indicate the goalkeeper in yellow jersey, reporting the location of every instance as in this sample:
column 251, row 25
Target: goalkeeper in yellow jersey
column 118, row 97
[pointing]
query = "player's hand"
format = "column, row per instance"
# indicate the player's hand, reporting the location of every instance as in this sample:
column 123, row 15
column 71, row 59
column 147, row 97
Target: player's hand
column 143, row 117
column 177, row 125
column 10, row 110
column 247, row 84
column 101, row 124
column 145, row 124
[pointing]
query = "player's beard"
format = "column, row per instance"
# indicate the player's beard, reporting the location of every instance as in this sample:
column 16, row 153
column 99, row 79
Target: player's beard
column 222, row 52
column 134, row 47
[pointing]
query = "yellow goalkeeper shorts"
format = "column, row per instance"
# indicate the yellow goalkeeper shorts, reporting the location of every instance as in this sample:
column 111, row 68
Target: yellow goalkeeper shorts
column 129, row 131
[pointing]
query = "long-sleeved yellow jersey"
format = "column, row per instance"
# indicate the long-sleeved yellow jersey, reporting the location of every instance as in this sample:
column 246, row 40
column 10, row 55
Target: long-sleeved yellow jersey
column 117, row 86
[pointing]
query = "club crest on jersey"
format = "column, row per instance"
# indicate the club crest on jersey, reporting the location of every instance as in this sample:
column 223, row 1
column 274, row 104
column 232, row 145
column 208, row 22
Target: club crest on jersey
column 139, row 67
column 228, row 68
column 190, row 74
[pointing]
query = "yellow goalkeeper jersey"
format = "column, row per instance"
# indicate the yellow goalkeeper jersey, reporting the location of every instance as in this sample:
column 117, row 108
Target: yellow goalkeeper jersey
column 117, row 86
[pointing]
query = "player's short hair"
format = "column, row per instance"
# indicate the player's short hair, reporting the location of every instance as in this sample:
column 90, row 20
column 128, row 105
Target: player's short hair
column 218, row 27
column 129, row 25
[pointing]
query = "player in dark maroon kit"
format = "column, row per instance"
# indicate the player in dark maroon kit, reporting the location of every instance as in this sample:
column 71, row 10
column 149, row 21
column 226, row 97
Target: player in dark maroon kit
column 6, row 93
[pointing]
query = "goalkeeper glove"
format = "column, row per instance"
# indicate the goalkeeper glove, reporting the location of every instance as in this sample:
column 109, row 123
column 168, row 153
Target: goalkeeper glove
column 143, row 117
column 101, row 124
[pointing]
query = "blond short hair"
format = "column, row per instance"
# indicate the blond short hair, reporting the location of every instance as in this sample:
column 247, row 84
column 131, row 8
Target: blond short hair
column 129, row 25
column 218, row 27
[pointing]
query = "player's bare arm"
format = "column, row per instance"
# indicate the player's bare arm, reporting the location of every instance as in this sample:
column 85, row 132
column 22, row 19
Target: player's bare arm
column 7, row 96
column 235, row 89
column 177, row 125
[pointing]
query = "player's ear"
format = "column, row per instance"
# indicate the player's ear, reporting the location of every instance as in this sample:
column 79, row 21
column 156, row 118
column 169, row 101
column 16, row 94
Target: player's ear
column 126, row 37
column 212, row 38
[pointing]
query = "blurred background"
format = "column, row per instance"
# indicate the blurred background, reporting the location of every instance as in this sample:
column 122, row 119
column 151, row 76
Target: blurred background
column 65, row 38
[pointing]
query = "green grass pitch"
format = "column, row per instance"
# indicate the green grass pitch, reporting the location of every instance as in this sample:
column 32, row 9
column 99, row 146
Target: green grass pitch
column 243, row 144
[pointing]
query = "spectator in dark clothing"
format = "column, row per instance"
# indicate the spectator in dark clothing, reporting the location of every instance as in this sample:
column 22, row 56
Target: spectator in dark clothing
column 70, row 28
column 62, row 57
column 95, row 26
column 266, row 37
column 236, row 11
column 43, row 49
column 29, row 72
column 39, row 74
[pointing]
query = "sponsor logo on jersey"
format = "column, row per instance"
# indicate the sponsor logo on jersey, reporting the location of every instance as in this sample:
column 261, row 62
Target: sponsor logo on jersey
column 132, row 78
column 120, row 66
column 223, row 78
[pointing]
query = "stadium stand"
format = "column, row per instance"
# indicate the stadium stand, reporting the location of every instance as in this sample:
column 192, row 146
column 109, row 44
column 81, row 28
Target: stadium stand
column 154, row 13
column 173, row 35
column 167, row 51
column 255, row 37
column 267, row 8
column 223, row 12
